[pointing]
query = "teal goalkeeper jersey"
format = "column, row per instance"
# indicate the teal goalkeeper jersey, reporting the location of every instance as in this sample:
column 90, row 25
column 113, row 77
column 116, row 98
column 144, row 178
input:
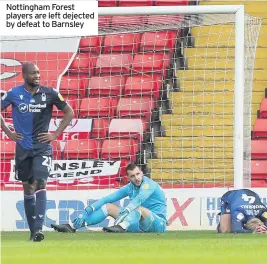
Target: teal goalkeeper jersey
column 149, row 195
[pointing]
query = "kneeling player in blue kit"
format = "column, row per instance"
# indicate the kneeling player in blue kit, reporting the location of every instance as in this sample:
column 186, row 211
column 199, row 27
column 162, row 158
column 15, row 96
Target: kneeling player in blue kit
column 242, row 212
column 146, row 211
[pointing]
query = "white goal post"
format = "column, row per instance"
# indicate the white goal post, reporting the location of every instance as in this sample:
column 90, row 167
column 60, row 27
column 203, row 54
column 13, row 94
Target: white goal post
column 238, row 10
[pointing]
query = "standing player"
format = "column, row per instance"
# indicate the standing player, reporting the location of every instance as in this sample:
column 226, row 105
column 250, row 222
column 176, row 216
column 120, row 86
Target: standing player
column 146, row 211
column 32, row 106
column 242, row 212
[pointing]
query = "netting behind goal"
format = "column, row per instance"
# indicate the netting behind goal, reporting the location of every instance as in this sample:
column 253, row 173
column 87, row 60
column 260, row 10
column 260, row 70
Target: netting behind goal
column 155, row 90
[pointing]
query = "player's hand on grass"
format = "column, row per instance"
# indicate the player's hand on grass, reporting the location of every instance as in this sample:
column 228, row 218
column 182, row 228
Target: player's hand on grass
column 78, row 221
column 46, row 137
column 15, row 136
column 121, row 216
column 262, row 229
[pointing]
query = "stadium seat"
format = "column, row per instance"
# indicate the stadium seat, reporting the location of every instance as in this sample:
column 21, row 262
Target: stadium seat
column 136, row 3
column 156, row 41
column 259, row 149
column 91, row 44
column 83, row 63
column 260, row 128
column 106, row 85
column 126, row 128
column 104, row 21
column 107, row 3
column 56, row 150
column 128, row 42
column 151, row 62
column 128, row 21
column 259, row 169
column 98, row 107
column 148, row 84
column 136, row 106
column 74, row 85
column 8, row 112
column 7, row 149
column 119, row 149
column 73, row 102
column 259, row 183
column 81, row 149
column 114, row 64
column 100, row 127
column 171, row 2
column 263, row 108
column 164, row 19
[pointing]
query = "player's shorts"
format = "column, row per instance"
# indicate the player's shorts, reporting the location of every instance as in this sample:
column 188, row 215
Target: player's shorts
column 152, row 224
column 32, row 165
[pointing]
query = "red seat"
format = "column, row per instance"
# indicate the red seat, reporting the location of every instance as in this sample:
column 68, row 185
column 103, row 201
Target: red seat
column 83, row 63
column 114, row 63
column 81, row 149
column 136, row 3
column 156, row 41
column 100, row 127
column 106, row 85
column 108, row 3
column 164, row 19
column 74, row 103
column 126, row 128
column 56, row 150
column 120, row 149
column 74, row 84
column 263, row 108
column 152, row 62
column 259, row 149
column 104, row 21
column 97, row 107
column 91, row 44
column 127, row 21
column 259, row 183
column 148, row 84
column 136, row 106
column 8, row 112
column 128, row 42
column 171, row 2
column 260, row 128
column 7, row 149
column 259, row 169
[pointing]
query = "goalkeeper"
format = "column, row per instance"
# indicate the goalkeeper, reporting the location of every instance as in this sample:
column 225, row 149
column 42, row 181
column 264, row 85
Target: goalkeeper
column 242, row 212
column 146, row 211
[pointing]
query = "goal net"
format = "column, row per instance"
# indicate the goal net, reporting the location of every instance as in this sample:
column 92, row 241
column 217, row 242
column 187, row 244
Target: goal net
column 157, row 90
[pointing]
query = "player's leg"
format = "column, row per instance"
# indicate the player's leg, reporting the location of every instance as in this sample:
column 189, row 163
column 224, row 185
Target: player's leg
column 23, row 167
column 41, row 169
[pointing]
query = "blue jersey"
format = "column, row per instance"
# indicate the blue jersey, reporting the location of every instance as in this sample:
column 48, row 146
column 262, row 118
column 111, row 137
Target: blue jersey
column 32, row 113
column 149, row 195
column 243, row 205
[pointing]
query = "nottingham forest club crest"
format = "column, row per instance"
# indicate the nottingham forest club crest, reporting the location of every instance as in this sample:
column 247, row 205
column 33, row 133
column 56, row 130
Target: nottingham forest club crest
column 43, row 97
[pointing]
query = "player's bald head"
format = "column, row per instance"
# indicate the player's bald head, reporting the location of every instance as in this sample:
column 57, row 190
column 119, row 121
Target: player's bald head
column 27, row 66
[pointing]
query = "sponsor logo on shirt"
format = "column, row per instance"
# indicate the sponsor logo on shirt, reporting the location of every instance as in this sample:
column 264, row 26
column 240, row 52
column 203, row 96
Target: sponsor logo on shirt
column 31, row 108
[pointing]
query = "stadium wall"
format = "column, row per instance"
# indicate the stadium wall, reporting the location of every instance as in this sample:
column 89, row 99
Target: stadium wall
column 187, row 209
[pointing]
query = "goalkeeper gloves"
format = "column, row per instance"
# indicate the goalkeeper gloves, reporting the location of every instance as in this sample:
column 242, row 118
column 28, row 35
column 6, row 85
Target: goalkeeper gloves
column 79, row 221
column 121, row 216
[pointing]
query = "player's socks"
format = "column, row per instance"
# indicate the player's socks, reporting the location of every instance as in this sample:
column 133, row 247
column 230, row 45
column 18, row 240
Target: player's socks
column 131, row 219
column 29, row 206
column 40, row 208
column 97, row 216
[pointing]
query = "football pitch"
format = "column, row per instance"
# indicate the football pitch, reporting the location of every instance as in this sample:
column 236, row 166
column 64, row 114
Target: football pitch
column 186, row 247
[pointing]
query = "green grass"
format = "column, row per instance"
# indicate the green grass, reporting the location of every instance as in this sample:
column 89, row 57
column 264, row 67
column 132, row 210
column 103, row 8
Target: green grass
column 172, row 247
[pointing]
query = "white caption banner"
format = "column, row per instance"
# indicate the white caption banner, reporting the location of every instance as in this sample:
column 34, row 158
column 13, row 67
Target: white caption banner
column 48, row 18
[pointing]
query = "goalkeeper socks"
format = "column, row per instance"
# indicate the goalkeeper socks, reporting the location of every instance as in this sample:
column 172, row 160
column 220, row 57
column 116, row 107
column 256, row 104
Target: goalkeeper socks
column 131, row 219
column 97, row 216
column 40, row 209
column 29, row 206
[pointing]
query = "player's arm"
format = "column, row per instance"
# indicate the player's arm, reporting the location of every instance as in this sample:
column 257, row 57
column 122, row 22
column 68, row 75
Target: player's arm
column 238, row 220
column 62, row 105
column 225, row 215
column 145, row 192
column 6, row 100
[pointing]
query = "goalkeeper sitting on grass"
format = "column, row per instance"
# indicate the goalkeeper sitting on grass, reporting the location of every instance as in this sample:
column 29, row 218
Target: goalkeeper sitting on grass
column 146, row 211
column 242, row 212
